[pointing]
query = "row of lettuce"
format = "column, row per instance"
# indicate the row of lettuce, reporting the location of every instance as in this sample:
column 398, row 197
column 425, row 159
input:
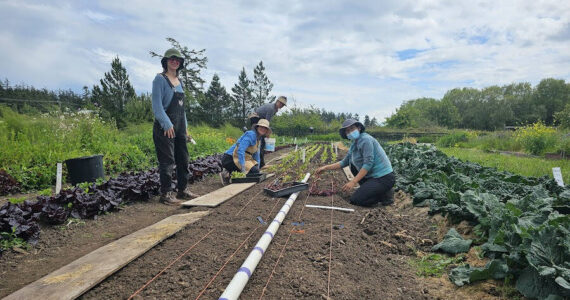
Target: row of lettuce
column 522, row 222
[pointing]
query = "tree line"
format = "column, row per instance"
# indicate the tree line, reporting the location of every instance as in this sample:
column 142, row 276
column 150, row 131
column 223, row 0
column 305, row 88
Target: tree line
column 115, row 99
column 490, row 108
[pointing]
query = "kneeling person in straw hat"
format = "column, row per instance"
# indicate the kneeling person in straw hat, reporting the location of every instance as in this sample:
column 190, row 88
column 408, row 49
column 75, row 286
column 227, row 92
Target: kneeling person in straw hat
column 368, row 163
column 243, row 156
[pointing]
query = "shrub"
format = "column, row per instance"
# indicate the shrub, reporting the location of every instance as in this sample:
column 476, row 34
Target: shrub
column 536, row 138
column 453, row 139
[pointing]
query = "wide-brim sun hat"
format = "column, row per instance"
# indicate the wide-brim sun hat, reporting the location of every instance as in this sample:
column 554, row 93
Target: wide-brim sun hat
column 263, row 123
column 283, row 100
column 347, row 123
column 172, row 52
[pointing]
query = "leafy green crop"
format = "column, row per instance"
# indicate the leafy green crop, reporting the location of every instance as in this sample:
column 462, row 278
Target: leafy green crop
column 523, row 220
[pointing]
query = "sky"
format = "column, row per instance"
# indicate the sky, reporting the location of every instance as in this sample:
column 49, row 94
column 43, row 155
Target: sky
column 364, row 57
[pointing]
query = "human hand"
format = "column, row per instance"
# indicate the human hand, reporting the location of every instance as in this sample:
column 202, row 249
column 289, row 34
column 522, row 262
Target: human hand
column 348, row 186
column 169, row 132
column 319, row 170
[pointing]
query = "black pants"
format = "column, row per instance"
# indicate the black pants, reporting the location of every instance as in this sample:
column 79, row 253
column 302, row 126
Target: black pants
column 170, row 152
column 228, row 164
column 373, row 190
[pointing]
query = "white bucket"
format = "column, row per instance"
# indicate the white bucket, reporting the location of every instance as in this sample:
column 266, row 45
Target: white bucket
column 269, row 144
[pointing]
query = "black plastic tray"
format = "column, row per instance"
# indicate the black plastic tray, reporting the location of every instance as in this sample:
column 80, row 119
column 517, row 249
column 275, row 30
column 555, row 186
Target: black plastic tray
column 259, row 177
column 297, row 187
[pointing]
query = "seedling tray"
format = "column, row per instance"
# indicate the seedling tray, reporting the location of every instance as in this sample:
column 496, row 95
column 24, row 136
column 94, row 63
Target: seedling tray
column 296, row 187
column 259, row 177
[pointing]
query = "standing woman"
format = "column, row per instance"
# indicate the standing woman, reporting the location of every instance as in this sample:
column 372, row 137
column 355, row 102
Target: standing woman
column 243, row 156
column 170, row 128
column 369, row 165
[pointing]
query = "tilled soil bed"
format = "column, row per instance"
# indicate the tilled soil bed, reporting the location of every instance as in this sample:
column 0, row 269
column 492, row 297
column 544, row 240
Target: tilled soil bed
column 367, row 259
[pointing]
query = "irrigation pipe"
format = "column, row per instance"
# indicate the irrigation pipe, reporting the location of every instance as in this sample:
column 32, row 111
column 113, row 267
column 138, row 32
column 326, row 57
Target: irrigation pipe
column 234, row 289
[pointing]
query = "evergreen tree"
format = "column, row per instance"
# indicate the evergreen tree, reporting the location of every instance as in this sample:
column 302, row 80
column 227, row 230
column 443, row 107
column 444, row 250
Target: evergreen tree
column 216, row 104
column 114, row 92
column 242, row 99
column 366, row 121
column 261, row 86
column 374, row 122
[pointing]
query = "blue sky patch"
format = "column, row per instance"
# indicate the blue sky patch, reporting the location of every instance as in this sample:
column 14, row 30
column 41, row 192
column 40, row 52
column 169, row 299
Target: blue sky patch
column 408, row 53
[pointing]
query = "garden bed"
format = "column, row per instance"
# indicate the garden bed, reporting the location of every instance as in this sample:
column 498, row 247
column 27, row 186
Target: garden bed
column 369, row 257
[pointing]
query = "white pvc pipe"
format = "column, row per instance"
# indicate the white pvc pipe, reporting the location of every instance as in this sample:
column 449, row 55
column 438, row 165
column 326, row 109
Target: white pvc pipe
column 234, row 289
column 330, row 207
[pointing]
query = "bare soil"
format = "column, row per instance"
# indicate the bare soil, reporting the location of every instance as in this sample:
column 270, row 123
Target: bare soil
column 368, row 257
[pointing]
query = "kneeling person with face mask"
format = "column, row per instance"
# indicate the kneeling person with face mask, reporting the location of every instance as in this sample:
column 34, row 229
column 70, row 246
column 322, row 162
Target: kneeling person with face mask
column 369, row 165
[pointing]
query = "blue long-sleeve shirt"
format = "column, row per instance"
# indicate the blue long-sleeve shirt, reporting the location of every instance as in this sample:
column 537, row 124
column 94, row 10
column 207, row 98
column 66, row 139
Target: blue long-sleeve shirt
column 248, row 139
column 365, row 152
column 161, row 95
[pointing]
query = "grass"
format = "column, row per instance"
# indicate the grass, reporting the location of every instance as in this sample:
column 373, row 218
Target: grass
column 434, row 265
column 526, row 166
column 32, row 145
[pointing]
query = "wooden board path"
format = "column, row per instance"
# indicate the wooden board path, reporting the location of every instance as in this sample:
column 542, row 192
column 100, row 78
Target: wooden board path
column 74, row 279
column 222, row 195
column 219, row 196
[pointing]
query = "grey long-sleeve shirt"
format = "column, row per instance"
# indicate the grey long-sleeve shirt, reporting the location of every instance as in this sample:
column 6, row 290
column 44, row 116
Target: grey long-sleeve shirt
column 266, row 111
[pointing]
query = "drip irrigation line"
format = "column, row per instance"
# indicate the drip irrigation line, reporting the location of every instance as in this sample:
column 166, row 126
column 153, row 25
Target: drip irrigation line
column 248, row 202
column 330, row 248
column 280, row 254
column 227, row 261
column 169, row 265
column 231, row 256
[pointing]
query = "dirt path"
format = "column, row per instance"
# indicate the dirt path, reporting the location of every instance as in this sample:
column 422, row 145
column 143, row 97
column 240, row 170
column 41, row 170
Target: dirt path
column 368, row 259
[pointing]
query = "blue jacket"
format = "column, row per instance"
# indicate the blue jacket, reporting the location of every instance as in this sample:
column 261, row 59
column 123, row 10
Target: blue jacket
column 161, row 95
column 365, row 152
column 249, row 138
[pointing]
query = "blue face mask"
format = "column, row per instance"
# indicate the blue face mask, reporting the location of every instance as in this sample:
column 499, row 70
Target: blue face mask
column 353, row 135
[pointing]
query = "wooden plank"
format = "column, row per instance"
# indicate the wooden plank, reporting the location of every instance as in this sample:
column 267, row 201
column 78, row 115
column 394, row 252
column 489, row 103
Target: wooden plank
column 222, row 195
column 74, row 279
column 219, row 196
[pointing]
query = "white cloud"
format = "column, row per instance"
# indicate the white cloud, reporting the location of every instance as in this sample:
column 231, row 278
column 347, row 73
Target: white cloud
column 341, row 55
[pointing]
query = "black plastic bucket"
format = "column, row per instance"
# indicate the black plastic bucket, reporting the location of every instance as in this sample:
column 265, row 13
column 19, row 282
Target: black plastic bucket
column 85, row 169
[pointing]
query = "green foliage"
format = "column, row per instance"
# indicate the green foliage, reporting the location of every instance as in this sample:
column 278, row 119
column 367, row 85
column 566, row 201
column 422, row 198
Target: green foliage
column 139, row 109
column 452, row 139
column 236, row 174
column 32, row 146
column 261, row 86
column 490, row 108
column 453, row 243
column 434, row 265
column 536, row 138
column 9, row 240
column 17, row 200
column 45, row 192
column 516, row 215
column 215, row 107
column 562, row 118
column 526, row 166
column 115, row 91
column 242, row 96
column 194, row 62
